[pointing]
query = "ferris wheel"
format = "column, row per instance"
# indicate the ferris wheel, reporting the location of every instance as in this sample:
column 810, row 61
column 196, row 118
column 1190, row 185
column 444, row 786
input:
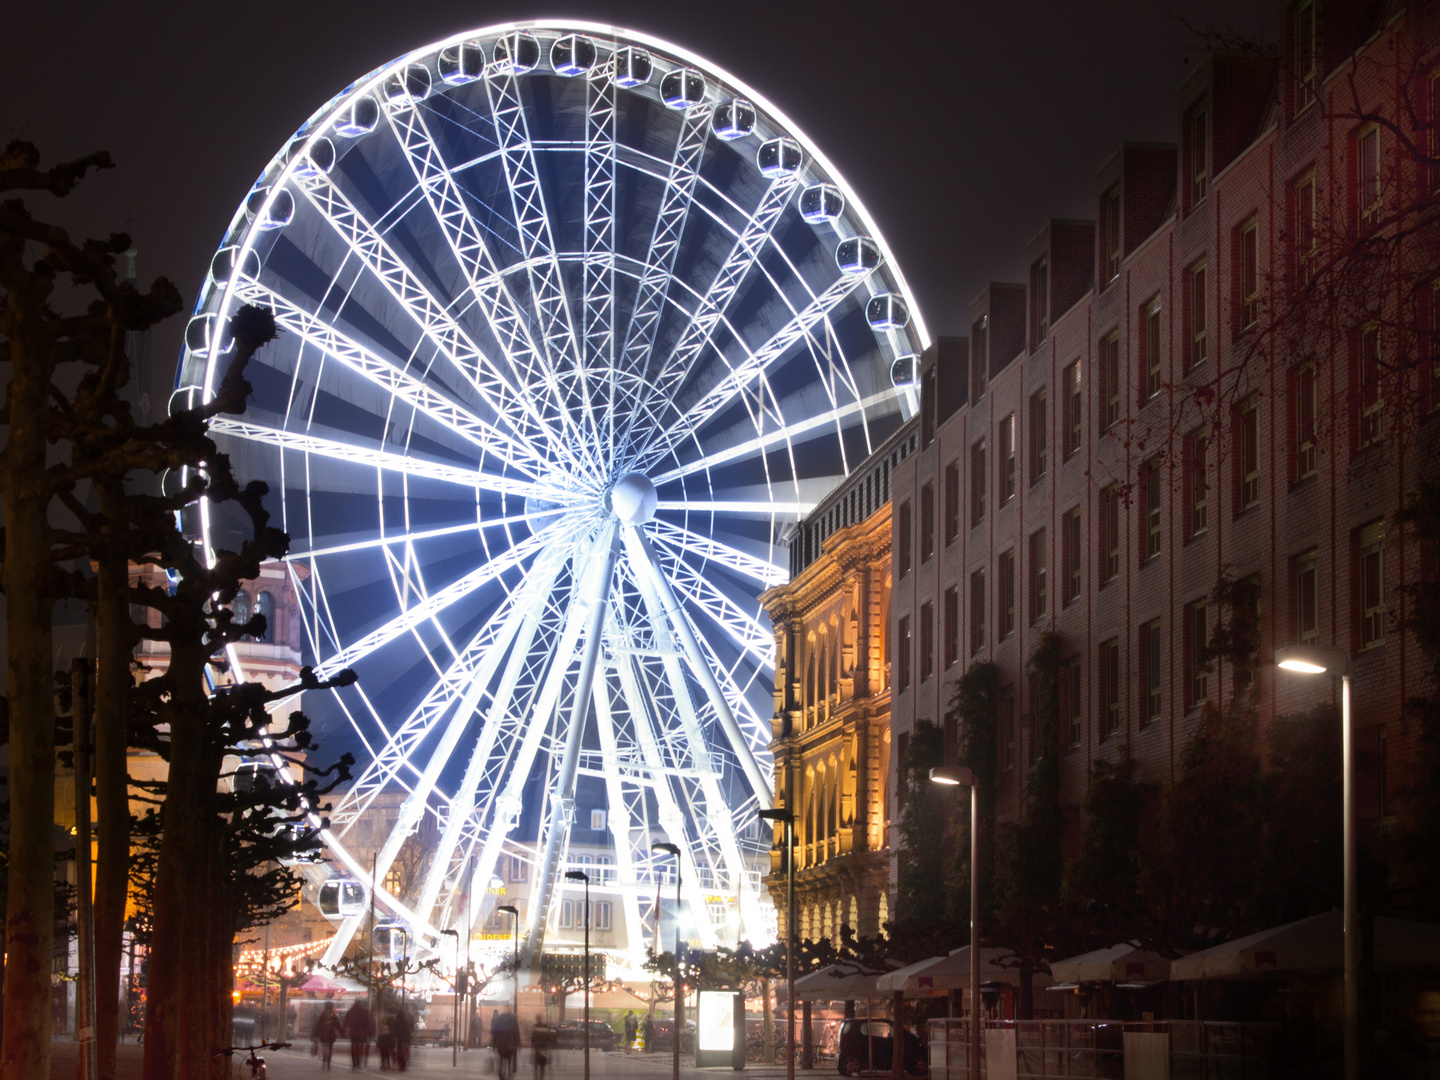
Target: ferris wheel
column 574, row 327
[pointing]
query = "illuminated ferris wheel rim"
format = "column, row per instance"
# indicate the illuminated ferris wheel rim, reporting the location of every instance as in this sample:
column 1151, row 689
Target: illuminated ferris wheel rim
column 620, row 493
column 369, row 84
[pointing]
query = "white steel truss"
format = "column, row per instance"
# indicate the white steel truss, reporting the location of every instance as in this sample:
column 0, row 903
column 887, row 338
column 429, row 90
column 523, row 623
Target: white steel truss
column 554, row 379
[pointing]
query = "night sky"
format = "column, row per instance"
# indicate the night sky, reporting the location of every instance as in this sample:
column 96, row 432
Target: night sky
column 963, row 126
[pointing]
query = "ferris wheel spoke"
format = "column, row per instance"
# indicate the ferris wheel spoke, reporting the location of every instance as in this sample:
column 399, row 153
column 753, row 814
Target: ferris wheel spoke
column 429, row 314
column 739, row 377
column 708, row 312
column 670, row 221
column 757, row 508
column 366, row 457
column 437, row 602
column 619, row 819
column 791, row 433
column 457, row 693
column 527, row 200
column 743, row 629
column 378, row 370
column 476, row 526
column 598, row 288
column 644, row 564
column 680, row 541
column 509, row 324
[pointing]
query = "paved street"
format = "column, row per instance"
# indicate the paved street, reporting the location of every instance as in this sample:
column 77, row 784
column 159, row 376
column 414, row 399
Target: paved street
column 435, row 1062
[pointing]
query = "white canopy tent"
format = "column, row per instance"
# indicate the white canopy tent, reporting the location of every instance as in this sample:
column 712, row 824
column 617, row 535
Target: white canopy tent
column 1315, row 944
column 1123, row 963
column 838, row 982
column 940, row 974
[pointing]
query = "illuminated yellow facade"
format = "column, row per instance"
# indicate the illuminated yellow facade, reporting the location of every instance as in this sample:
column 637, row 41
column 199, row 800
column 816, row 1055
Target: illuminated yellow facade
column 832, row 716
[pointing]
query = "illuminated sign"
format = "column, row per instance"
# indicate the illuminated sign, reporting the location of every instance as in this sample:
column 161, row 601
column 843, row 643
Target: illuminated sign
column 715, row 1020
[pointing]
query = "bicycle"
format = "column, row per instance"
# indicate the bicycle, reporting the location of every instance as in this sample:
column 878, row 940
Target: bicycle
column 253, row 1059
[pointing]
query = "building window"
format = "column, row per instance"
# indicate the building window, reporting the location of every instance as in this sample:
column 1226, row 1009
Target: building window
column 904, row 540
column 1109, row 687
column 952, row 626
column 519, row 869
column 1368, row 201
column 597, row 820
column 567, row 914
column 1247, row 277
column 927, row 640
column 952, row 502
column 1109, row 533
column 1150, row 373
column 1005, row 717
column 1197, row 486
column 1039, row 564
column 1039, row 435
column 1070, row 701
column 1371, row 400
column 1247, row 454
column 1039, row 302
column 1195, row 318
column 1305, row 54
column 1110, row 381
column 977, row 611
column 1430, row 339
column 1150, row 659
column 1073, row 407
column 1005, row 583
column 977, row 483
column 927, row 521
column 605, row 868
column 1306, row 576
column 1371, row 579
column 1110, row 232
column 1071, row 543
column 1150, row 509
column 902, row 660
column 979, row 331
column 1197, row 152
column 1302, row 232
column 603, row 915
column 1007, row 459
column 1302, row 413
column 1197, row 671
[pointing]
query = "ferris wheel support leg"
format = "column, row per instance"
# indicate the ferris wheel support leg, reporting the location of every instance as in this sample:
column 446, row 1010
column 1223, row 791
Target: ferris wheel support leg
column 619, row 817
column 642, row 554
column 596, row 596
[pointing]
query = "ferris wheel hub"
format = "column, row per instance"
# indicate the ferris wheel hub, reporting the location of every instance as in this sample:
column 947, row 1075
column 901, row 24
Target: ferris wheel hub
column 633, row 499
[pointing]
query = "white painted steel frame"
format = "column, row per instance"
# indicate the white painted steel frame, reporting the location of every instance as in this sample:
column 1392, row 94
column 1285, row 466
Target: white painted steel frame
column 509, row 387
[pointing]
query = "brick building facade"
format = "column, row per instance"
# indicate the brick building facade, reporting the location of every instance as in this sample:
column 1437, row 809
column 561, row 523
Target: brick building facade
column 1182, row 389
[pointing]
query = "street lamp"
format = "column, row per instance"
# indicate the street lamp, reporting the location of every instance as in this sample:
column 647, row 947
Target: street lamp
column 580, row 875
column 958, row 776
column 514, row 913
column 672, row 849
column 455, row 1023
column 788, row 819
column 1322, row 660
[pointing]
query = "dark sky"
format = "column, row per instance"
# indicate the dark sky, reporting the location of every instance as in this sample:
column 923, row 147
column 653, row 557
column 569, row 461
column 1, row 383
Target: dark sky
column 961, row 125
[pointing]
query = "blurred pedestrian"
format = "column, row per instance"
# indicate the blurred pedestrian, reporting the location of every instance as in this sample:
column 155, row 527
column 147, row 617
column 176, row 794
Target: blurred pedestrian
column 631, row 1025
column 327, row 1030
column 1415, row 1054
column 359, row 1029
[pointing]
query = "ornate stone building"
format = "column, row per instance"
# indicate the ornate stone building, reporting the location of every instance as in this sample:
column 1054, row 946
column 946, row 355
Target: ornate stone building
column 832, row 707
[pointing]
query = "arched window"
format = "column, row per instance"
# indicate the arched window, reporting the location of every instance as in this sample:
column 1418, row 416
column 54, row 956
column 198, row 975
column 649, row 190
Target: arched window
column 240, row 607
column 265, row 606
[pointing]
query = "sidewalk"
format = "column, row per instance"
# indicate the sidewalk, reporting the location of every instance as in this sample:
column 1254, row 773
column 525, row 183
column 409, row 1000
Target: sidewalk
column 435, row 1062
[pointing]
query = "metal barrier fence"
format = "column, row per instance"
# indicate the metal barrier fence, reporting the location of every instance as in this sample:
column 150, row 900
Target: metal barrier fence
column 1052, row 1049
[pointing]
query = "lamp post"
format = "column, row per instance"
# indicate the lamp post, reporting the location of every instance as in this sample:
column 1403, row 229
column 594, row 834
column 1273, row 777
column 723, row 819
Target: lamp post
column 455, row 1022
column 580, row 875
column 956, row 776
column 787, row 818
column 1321, row 660
column 514, row 913
column 672, row 849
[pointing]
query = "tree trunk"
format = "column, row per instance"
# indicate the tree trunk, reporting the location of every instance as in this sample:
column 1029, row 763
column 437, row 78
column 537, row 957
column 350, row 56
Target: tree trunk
column 177, row 908
column 112, row 790
column 221, row 971
column 30, row 905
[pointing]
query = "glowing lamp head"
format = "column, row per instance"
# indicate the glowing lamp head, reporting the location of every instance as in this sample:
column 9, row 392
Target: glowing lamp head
column 952, row 776
column 1312, row 660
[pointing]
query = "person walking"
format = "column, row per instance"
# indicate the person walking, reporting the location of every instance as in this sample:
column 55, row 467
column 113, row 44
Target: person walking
column 649, row 1030
column 327, row 1030
column 475, row 1036
column 359, row 1029
column 542, row 1046
column 505, row 1038
column 631, row 1026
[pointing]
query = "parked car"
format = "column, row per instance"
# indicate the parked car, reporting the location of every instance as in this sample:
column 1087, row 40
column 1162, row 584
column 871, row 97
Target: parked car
column 866, row 1046
column 570, row 1035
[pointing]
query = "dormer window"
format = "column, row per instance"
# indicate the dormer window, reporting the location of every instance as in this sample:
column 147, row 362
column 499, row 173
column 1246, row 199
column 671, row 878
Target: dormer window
column 1110, row 232
column 1197, row 153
